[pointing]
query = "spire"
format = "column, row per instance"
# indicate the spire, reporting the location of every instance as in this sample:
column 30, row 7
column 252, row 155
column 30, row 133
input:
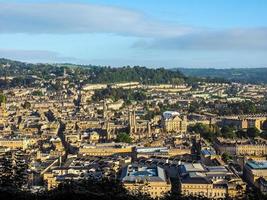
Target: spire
column 104, row 109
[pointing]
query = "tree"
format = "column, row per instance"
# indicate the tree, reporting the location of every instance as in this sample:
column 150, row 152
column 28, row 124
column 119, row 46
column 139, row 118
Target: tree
column 226, row 157
column 13, row 170
column 26, row 105
column 37, row 93
column 20, row 166
column 241, row 133
column 123, row 137
column 2, row 98
column 206, row 131
column 177, row 81
column 228, row 132
column 6, row 170
column 253, row 132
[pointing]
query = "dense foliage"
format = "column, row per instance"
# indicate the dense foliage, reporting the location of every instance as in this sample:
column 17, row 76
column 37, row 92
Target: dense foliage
column 37, row 93
column 105, row 190
column 239, row 108
column 29, row 73
column 229, row 108
column 244, row 75
column 141, row 74
column 12, row 171
column 2, row 98
column 210, row 132
column 89, row 189
column 119, row 93
column 124, row 137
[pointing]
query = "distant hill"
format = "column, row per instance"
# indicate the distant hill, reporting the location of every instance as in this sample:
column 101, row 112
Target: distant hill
column 243, row 75
column 90, row 73
column 103, row 74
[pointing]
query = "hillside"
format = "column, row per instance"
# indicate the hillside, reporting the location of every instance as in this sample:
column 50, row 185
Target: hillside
column 89, row 73
column 243, row 75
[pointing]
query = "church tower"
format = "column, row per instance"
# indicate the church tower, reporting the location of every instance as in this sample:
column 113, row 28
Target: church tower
column 132, row 122
column 105, row 110
column 3, row 112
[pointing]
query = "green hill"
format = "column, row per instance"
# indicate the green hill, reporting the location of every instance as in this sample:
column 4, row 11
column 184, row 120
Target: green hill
column 90, row 73
column 243, row 75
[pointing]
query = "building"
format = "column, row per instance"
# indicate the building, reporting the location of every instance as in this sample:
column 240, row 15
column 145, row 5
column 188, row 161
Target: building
column 245, row 122
column 243, row 147
column 255, row 173
column 94, row 137
column 95, row 86
column 262, row 183
column 173, row 122
column 3, row 115
column 151, row 181
column 208, row 156
column 138, row 128
column 15, row 143
column 105, row 149
column 162, row 151
column 83, row 167
column 216, row 182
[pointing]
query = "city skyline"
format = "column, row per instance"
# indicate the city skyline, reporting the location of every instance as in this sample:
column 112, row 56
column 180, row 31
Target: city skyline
column 137, row 99
column 152, row 33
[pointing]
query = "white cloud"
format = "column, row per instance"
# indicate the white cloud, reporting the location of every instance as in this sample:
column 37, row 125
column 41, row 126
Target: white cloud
column 233, row 39
column 64, row 18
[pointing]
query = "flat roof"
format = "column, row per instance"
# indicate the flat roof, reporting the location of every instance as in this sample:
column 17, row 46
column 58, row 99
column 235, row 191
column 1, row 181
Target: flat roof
column 257, row 164
column 208, row 152
column 147, row 172
column 196, row 178
column 193, row 167
column 217, row 169
column 135, row 173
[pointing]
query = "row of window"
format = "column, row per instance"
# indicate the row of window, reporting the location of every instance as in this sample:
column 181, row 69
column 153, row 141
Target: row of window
column 206, row 194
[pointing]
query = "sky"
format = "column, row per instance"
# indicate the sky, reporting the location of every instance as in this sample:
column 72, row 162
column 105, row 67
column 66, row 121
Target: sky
column 152, row 33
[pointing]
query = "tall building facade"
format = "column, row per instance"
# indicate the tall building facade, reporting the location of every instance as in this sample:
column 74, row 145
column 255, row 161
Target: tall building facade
column 174, row 122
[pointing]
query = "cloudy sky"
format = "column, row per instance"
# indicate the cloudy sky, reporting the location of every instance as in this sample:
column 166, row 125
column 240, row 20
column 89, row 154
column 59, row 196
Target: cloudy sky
column 153, row 33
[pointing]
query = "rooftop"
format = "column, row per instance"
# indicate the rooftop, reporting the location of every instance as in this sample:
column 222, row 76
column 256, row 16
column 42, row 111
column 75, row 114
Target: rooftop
column 257, row 164
column 134, row 173
column 207, row 152
column 195, row 178
column 192, row 167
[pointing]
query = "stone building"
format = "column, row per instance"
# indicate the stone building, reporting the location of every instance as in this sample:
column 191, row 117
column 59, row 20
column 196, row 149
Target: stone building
column 174, row 122
column 151, row 181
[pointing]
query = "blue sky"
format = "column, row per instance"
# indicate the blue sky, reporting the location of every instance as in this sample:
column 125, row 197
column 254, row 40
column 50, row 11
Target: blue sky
column 153, row 33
